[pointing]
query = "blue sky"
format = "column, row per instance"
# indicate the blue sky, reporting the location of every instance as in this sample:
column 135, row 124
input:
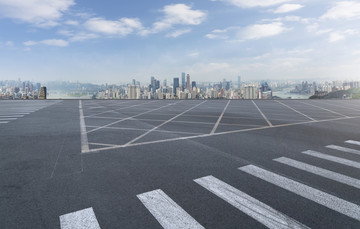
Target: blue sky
column 114, row 41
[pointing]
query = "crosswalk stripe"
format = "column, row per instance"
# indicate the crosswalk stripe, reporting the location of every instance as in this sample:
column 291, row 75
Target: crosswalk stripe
column 320, row 172
column 343, row 149
column 7, row 119
column 11, row 116
column 332, row 202
column 168, row 213
column 247, row 204
column 4, row 122
column 332, row 158
column 83, row 219
column 353, row 142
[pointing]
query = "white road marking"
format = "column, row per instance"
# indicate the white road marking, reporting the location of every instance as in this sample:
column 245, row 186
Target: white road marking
column 83, row 219
column 128, row 118
column 337, row 105
column 344, row 149
column 261, row 212
column 324, row 109
column 333, row 158
column 353, row 142
column 222, row 133
column 320, row 172
column 266, row 119
column 296, row 110
column 11, row 116
column 3, row 122
column 220, row 117
column 116, row 110
column 168, row 213
column 332, row 202
column 138, row 129
column 7, row 119
column 84, row 138
column 156, row 127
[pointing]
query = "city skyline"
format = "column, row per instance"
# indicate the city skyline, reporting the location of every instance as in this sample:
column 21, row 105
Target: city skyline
column 113, row 42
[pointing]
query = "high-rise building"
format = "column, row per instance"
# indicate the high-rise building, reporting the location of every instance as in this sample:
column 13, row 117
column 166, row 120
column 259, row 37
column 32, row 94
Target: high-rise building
column 153, row 84
column 188, row 84
column 239, row 82
column 176, row 85
column 183, row 81
column 250, row 92
column 42, row 94
column 133, row 92
column 193, row 84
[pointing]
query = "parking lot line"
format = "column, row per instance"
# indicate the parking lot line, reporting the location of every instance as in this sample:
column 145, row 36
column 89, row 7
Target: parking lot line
column 220, row 117
column 266, row 119
column 295, row 110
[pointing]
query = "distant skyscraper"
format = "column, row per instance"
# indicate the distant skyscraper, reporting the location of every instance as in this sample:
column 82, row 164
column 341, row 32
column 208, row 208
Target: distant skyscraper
column 188, row 84
column 193, row 84
column 133, row 82
column 133, row 92
column 176, row 85
column 153, row 84
column 250, row 92
column 183, row 80
column 239, row 82
column 42, row 94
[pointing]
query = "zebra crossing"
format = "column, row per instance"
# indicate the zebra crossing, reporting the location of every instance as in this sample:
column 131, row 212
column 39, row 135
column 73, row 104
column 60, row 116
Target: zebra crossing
column 170, row 214
column 9, row 113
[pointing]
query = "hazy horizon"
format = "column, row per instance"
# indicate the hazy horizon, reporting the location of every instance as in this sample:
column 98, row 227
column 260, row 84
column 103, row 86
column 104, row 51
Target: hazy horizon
column 114, row 42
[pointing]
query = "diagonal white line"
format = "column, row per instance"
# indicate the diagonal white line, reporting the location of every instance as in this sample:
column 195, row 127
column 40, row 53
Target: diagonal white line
column 266, row 119
column 324, row 109
column 220, row 117
column 166, row 211
column 320, row 172
column 295, row 110
column 332, row 202
column 124, row 119
column 83, row 219
column 338, row 160
column 261, row 212
column 343, row 149
column 156, row 127
column 353, row 142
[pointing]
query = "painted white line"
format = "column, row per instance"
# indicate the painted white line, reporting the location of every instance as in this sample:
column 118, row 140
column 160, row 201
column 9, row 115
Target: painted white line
column 353, row 142
column 101, row 144
column 11, row 116
column 332, row 202
column 156, row 127
column 333, row 158
column 295, row 110
column 83, row 219
column 259, row 211
column 136, row 129
column 266, row 119
column 324, row 109
column 222, row 133
column 168, row 213
column 116, row 110
column 128, row 118
column 7, row 119
column 337, row 105
column 320, row 172
column 84, row 138
column 344, row 149
column 3, row 122
column 15, row 113
column 220, row 117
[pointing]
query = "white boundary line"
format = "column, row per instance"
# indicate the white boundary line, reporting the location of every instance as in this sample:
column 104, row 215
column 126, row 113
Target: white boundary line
column 327, row 157
column 221, row 133
column 124, row 119
column 219, row 119
column 136, row 129
column 83, row 219
column 296, row 110
column 350, row 108
column 266, row 119
column 156, row 127
column 324, row 109
column 84, row 138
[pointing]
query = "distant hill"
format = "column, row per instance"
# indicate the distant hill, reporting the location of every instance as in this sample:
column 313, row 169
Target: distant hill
column 353, row 93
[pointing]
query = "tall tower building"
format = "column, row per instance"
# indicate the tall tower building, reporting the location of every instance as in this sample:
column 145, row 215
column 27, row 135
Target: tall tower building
column 176, row 85
column 183, row 81
column 188, row 83
column 42, row 94
column 239, row 82
column 133, row 92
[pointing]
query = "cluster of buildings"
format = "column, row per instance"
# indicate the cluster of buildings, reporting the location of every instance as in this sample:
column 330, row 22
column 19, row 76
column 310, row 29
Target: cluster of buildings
column 184, row 88
column 11, row 89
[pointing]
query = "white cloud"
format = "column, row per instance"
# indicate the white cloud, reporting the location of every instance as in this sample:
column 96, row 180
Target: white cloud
column 176, row 14
column 287, row 8
column 83, row 36
column 335, row 36
column 38, row 12
column 178, row 33
column 253, row 3
column 194, row 54
column 72, row 22
column 343, row 10
column 121, row 27
column 258, row 31
column 50, row 42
